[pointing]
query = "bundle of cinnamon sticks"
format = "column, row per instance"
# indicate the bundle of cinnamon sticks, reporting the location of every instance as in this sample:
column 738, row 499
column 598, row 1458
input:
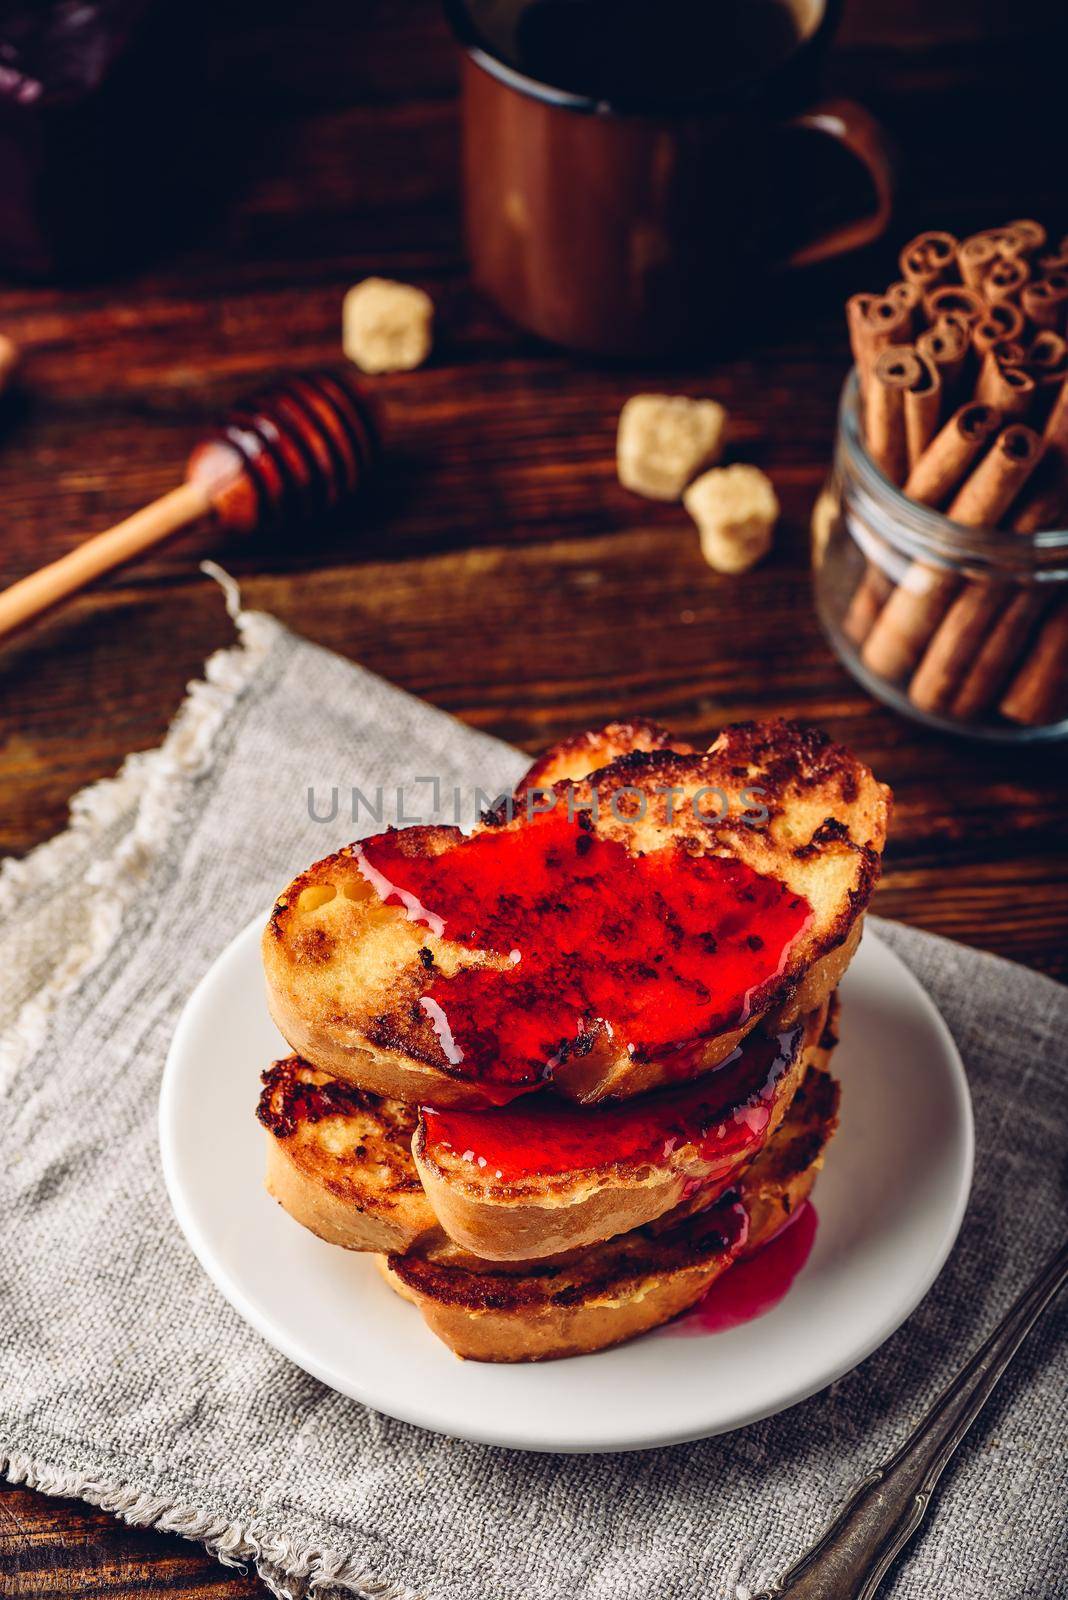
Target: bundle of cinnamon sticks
column 963, row 374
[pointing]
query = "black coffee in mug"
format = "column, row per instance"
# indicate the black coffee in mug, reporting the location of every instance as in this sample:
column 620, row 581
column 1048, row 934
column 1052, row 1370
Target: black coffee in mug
column 625, row 51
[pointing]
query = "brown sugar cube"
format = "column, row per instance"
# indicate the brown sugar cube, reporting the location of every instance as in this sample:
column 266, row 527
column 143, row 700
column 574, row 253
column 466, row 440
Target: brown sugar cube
column 386, row 326
column 664, row 439
column 735, row 509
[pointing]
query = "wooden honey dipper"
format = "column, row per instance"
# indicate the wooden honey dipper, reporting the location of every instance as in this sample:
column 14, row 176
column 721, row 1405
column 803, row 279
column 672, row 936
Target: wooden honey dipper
column 292, row 453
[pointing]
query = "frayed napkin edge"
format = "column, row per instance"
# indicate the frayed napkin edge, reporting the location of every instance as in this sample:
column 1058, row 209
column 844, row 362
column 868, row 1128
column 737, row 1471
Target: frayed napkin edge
column 150, row 788
column 289, row 1570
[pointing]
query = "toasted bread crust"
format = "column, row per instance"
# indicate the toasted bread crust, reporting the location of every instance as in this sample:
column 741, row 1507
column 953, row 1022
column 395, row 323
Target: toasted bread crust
column 340, row 1163
column 615, row 1291
column 547, row 1215
column 345, row 973
column 585, row 753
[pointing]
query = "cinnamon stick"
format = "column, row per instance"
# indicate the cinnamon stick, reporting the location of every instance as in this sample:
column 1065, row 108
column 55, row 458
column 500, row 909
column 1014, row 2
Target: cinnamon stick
column 857, row 307
column 907, row 620
column 975, row 256
column 946, row 345
column 1046, row 499
column 1024, row 237
column 1056, row 430
column 1008, row 316
column 1047, row 362
column 1046, row 300
column 904, row 390
column 1009, row 389
column 984, row 498
column 998, row 655
column 929, row 259
column 1048, row 354
column 955, row 644
column 868, row 599
column 1002, row 321
column 895, row 372
column 885, row 426
column 955, row 298
column 1010, row 353
column 890, row 319
column 951, row 454
column 1038, row 694
column 884, row 422
column 923, row 403
column 907, row 295
column 875, row 322
column 1005, row 279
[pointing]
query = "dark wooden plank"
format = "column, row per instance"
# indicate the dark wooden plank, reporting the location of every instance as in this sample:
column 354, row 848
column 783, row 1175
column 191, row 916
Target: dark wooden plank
column 51, row 1549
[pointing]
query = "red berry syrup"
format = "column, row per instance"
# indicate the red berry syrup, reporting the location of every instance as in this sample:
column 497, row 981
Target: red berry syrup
column 725, row 1115
column 651, row 951
column 756, row 1284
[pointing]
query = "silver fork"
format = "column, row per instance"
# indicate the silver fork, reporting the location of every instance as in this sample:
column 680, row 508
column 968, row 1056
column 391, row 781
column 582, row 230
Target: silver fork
column 851, row 1557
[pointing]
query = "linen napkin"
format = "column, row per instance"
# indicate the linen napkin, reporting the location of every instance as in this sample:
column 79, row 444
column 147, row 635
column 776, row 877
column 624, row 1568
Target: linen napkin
column 128, row 1381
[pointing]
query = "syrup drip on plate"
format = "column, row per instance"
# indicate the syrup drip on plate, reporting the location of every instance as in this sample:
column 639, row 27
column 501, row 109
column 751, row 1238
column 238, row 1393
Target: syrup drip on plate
column 755, row 1285
column 725, row 1115
column 594, row 942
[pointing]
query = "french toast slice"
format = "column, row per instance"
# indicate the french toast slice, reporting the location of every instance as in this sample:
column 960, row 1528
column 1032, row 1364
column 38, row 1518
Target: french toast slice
column 340, row 1160
column 535, row 1178
column 570, row 935
column 614, row 1291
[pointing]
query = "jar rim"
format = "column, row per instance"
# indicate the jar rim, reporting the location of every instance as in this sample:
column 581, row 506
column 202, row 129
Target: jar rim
column 931, row 531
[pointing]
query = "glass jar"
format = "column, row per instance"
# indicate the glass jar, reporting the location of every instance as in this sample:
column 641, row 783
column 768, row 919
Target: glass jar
column 961, row 629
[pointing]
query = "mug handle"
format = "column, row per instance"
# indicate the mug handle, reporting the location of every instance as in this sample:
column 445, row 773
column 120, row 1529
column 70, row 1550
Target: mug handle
column 858, row 132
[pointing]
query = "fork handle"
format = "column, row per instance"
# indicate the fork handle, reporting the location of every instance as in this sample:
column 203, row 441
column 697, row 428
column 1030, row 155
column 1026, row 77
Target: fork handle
column 852, row 1555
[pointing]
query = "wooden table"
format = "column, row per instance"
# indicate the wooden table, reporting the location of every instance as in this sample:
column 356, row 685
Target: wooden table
column 499, row 571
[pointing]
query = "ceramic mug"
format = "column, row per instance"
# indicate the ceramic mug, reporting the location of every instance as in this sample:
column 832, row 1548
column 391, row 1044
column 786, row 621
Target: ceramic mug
column 623, row 217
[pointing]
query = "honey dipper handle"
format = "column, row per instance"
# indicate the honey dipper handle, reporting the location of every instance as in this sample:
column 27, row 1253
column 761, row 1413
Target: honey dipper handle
column 42, row 590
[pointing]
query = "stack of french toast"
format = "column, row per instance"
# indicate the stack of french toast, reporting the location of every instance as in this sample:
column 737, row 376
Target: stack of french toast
column 561, row 1072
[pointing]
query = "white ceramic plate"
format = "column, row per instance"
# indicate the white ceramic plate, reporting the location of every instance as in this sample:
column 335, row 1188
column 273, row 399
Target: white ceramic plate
column 889, row 1201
